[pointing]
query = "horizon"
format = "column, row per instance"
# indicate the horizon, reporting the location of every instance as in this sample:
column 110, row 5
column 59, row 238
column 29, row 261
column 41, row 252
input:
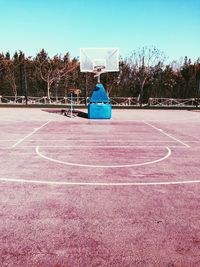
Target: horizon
column 65, row 26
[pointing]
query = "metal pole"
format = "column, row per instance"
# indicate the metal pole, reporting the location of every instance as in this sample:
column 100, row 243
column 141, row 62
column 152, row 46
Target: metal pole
column 86, row 81
column 21, row 86
column 71, row 106
column 141, row 92
column 25, row 82
column 197, row 86
column 198, row 93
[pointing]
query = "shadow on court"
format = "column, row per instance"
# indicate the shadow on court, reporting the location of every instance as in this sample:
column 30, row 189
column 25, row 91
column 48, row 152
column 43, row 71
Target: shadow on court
column 82, row 114
column 67, row 112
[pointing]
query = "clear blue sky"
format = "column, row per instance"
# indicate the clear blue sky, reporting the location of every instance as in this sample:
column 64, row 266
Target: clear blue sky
column 173, row 26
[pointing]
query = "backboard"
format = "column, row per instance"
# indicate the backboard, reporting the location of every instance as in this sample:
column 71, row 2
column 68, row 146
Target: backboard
column 99, row 59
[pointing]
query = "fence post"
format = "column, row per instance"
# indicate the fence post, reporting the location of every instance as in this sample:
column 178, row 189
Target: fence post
column 150, row 101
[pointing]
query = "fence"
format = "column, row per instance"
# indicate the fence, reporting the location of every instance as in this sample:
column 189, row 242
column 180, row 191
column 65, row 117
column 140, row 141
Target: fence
column 177, row 102
column 30, row 100
column 81, row 101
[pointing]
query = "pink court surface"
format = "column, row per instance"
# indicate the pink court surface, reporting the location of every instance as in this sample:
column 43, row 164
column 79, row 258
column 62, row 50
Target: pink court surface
column 120, row 192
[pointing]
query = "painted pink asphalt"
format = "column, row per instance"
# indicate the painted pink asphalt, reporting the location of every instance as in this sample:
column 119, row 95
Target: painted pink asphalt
column 78, row 192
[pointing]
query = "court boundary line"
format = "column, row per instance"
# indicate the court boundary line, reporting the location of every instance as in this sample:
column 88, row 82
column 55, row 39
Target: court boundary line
column 91, row 146
column 93, row 140
column 103, row 166
column 169, row 135
column 28, row 135
column 100, row 146
column 46, row 182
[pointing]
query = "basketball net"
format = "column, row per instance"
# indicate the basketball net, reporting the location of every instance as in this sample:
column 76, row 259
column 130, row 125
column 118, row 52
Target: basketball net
column 98, row 70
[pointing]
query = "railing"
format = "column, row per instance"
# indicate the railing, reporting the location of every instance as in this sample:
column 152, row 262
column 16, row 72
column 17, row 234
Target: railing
column 30, row 100
column 124, row 101
column 81, row 101
column 178, row 102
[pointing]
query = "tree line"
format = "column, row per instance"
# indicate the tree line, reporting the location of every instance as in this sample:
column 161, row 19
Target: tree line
column 142, row 74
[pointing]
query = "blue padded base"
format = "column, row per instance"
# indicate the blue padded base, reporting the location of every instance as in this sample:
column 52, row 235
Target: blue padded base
column 99, row 111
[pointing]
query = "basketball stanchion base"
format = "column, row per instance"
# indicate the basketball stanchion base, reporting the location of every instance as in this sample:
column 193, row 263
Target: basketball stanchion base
column 99, row 111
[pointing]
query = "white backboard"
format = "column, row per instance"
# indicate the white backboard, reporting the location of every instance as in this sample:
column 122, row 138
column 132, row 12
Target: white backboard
column 91, row 58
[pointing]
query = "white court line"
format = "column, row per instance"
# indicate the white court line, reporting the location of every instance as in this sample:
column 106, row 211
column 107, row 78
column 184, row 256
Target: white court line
column 82, row 146
column 46, row 182
column 97, row 140
column 161, row 131
column 34, row 131
column 113, row 141
column 104, row 166
column 101, row 146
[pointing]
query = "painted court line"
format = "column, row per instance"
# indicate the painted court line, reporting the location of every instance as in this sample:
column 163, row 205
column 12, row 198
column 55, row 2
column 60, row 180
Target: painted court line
column 46, row 182
column 113, row 141
column 97, row 140
column 161, row 131
column 28, row 135
column 82, row 146
column 104, row 166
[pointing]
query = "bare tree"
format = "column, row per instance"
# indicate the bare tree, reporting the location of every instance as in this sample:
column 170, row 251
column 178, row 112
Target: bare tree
column 10, row 67
column 143, row 63
column 53, row 70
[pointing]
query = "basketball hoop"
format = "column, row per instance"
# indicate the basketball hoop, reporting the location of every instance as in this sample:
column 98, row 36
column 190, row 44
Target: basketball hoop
column 98, row 70
column 99, row 60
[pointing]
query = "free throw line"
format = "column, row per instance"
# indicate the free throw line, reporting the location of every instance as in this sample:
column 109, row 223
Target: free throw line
column 104, row 166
